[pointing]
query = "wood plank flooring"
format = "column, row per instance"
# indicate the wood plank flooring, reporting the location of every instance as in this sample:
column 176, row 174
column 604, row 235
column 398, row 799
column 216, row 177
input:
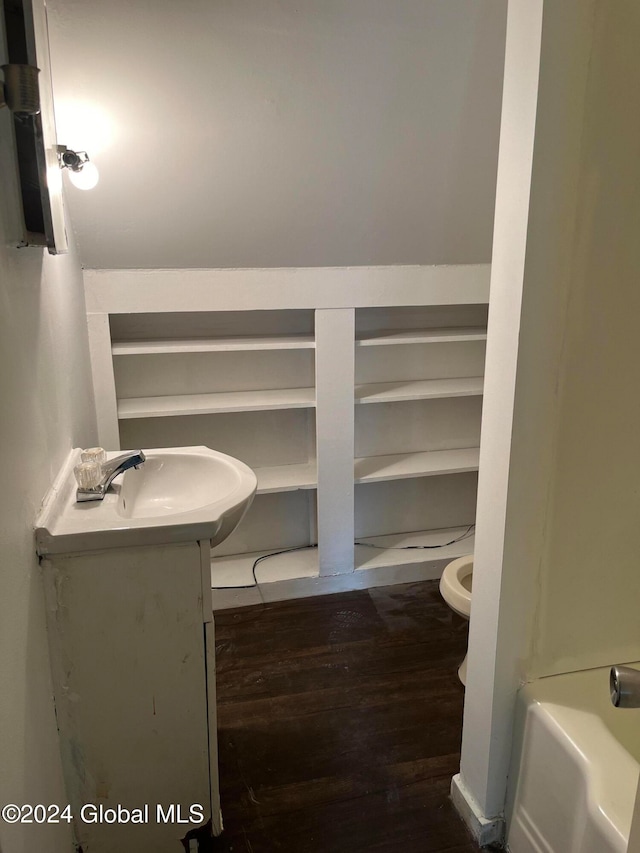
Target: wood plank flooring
column 340, row 722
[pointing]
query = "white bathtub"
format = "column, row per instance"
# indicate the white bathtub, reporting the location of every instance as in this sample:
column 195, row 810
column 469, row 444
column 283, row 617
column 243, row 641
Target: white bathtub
column 575, row 767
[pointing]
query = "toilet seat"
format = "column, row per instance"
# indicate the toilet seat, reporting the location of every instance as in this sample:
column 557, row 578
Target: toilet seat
column 455, row 585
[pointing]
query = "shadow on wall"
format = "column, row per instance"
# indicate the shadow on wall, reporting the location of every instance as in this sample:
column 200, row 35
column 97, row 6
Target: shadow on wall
column 47, row 408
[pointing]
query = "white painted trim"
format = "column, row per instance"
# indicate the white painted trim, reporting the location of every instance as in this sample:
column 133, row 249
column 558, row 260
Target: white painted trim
column 104, row 384
column 335, row 430
column 547, row 65
column 148, row 291
column 312, row 495
column 486, row 734
column 484, row 830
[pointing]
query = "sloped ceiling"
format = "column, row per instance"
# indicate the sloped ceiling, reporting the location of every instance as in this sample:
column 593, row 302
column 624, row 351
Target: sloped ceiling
column 234, row 133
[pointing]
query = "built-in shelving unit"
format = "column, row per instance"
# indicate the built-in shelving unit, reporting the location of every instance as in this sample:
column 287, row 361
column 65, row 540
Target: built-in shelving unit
column 241, row 382
column 385, row 560
column 361, row 423
column 408, row 548
column 418, row 395
column 237, row 570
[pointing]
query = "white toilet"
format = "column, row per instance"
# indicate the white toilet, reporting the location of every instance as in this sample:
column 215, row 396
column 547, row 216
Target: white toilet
column 455, row 588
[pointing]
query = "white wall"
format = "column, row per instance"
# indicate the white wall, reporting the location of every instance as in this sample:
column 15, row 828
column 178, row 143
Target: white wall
column 590, row 576
column 556, row 581
column 274, row 133
column 47, row 408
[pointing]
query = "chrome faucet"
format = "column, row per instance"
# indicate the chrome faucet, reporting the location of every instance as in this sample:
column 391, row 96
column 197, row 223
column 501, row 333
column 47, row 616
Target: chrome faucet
column 624, row 683
column 110, row 470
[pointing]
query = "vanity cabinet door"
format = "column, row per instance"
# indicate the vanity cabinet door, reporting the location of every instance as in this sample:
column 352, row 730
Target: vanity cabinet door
column 129, row 660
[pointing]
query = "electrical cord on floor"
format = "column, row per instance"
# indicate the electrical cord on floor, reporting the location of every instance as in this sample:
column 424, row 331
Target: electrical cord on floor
column 255, row 583
column 266, row 557
column 465, row 535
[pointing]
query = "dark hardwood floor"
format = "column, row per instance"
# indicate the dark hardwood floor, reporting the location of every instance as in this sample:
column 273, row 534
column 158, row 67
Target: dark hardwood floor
column 339, row 723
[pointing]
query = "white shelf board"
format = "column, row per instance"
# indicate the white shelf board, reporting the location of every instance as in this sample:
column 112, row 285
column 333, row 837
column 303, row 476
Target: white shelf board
column 421, row 389
column 273, row 342
column 376, row 469
column 287, row 478
column 392, row 555
column 296, row 572
column 420, row 336
column 221, row 401
column 237, row 570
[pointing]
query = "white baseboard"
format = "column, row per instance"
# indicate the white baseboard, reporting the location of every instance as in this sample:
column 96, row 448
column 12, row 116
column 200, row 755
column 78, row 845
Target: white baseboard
column 484, row 830
column 327, row 585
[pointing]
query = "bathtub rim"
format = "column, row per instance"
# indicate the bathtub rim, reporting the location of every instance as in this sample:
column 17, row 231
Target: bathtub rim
column 611, row 786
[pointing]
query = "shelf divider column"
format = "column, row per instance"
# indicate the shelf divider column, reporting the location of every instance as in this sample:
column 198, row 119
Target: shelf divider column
column 104, row 384
column 335, row 377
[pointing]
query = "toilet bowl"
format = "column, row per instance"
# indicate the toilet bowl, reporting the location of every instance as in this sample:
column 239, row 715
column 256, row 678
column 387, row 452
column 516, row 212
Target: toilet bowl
column 455, row 588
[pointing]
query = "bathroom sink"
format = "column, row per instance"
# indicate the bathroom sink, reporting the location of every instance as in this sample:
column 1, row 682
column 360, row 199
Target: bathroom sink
column 172, row 483
column 178, row 494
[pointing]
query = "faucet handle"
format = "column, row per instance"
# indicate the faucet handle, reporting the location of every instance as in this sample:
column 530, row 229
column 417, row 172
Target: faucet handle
column 624, row 684
column 94, row 454
column 88, row 475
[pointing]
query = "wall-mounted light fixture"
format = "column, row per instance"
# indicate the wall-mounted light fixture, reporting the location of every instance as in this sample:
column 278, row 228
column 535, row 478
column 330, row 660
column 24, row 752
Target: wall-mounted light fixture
column 82, row 172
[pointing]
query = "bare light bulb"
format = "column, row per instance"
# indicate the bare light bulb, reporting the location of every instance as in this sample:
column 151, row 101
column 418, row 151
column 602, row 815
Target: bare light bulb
column 86, row 178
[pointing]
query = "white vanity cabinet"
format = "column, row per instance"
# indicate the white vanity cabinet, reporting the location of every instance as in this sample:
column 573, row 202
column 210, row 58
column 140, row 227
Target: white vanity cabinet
column 132, row 647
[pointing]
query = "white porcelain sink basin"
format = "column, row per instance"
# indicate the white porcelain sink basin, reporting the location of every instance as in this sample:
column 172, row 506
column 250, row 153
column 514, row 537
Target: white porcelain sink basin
column 178, row 494
column 171, row 483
